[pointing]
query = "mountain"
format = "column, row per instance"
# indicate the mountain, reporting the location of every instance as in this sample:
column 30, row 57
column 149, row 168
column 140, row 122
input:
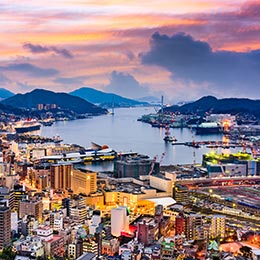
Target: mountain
column 4, row 93
column 105, row 99
column 218, row 106
column 62, row 100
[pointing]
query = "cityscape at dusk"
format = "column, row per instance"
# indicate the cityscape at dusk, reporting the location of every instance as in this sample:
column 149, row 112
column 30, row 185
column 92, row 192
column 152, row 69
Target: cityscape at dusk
column 130, row 130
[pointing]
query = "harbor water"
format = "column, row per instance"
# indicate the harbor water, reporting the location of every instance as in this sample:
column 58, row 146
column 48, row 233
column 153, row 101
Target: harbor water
column 123, row 133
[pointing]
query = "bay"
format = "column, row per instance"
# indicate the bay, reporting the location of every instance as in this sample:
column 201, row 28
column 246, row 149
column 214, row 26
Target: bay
column 123, row 133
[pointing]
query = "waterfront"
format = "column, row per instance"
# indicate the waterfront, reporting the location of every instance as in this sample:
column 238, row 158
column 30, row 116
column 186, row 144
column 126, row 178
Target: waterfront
column 123, row 132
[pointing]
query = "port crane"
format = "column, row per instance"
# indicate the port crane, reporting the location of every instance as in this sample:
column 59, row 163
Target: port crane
column 154, row 161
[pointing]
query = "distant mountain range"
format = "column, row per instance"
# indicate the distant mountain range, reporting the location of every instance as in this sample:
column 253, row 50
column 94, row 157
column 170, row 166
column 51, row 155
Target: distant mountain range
column 80, row 102
column 219, row 106
column 62, row 100
column 105, row 99
column 4, row 93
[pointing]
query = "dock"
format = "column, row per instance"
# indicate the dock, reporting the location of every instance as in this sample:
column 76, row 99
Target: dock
column 212, row 144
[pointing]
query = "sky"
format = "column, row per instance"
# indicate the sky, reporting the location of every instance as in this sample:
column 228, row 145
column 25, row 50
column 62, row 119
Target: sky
column 182, row 49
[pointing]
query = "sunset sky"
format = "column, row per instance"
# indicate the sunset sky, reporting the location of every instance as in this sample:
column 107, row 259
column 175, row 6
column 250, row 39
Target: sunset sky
column 183, row 49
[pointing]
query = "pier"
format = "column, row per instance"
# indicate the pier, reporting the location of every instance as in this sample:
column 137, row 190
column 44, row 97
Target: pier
column 212, row 144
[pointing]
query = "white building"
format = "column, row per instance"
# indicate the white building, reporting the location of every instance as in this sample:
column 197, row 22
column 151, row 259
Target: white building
column 45, row 233
column 119, row 221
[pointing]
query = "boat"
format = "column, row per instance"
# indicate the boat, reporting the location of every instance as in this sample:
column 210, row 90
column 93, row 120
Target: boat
column 28, row 125
column 47, row 121
column 72, row 158
column 168, row 138
column 57, row 139
column 208, row 128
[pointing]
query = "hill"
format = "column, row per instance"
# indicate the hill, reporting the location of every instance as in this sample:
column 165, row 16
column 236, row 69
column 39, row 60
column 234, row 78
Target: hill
column 63, row 101
column 218, row 106
column 4, row 93
column 105, row 99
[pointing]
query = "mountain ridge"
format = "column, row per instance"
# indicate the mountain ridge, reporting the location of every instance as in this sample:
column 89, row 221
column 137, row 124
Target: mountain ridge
column 65, row 101
column 218, row 106
column 5, row 93
column 105, row 99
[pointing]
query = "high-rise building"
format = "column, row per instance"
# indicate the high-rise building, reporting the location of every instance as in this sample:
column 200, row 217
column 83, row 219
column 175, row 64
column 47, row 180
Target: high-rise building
column 119, row 221
column 192, row 225
column 61, row 176
column 217, row 227
column 7, row 197
column 5, row 226
column 18, row 192
column 84, row 181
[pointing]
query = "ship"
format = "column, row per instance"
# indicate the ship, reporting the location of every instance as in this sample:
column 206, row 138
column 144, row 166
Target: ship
column 86, row 156
column 168, row 138
column 28, row 125
column 47, row 121
column 208, row 128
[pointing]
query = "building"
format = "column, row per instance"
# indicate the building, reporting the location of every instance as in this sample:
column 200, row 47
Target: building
column 27, row 225
column 181, row 194
column 193, row 224
column 84, row 182
column 119, row 221
column 218, row 226
column 179, row 224
column 75, row 250
column 39, row 177
column 78, row 214
column 160, row 182
column 55, row 247
column 56, row 220
column 167, row 250
column 163, row 221
column 110, row 246
column 18, row 193
column 77, row 210
column 147, row 231
column 90, row 246
column 29, row 246
column 61, row 176
column 135, row 166
column 7, row 197
column 53, row 244
column 32, row 206
column 5, row 226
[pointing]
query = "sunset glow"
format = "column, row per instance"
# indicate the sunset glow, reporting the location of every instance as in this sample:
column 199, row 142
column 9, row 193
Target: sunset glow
column 46, row 42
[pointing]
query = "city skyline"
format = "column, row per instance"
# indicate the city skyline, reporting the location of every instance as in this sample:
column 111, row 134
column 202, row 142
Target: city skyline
column 181, row 49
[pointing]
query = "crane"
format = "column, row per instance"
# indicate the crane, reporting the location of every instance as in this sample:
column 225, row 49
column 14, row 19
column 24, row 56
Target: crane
column 154, row 161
